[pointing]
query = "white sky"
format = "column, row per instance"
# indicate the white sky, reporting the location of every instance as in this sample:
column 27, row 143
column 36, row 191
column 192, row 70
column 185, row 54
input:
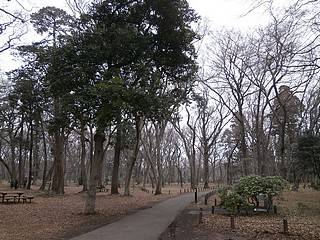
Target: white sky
column 220, row 13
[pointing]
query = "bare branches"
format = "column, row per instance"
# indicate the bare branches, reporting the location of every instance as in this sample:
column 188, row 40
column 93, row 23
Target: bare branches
column 12, row 15
column 78, row 7
column 11, row 29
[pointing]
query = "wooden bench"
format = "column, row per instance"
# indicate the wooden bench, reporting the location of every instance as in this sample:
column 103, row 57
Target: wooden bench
column 10, row 199
column 25, row 198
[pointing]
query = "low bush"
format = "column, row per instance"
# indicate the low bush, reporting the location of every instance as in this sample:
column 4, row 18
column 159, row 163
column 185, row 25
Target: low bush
column 244, row 194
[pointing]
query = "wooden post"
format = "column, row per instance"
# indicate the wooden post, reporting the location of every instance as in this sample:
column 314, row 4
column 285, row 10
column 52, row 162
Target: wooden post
column 169, row 192
column 212, row 210
column 152, row 191
column 275, row 210
column 215, row 202
column 196, row 196
column 205, row 200
column 200, row 216
column 285, row 226
column 180, row 191
column 232, row 222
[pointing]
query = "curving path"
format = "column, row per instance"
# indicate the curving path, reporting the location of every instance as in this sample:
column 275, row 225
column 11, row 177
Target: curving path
column 146, row 224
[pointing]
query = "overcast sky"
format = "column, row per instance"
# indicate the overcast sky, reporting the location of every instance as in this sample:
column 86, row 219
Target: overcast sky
column 220, row 13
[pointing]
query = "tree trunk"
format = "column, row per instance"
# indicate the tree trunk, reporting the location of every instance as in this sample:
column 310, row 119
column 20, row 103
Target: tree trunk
column 145, row 176
column 214, row 170
column 21, row 178
column 45, row 156
column 180, row 177
column 283, row 165
column 159, row 183
column 58, row 151
column 116, row 160
column 36, row 157
column 206, row 166
column 243, row 144
column 83, row 172
column 139, row 124
column 6, row 167
column 99, row 138
column 159, row 131
column 30, row 176
column 193, row 172
column 58, row 172
column 13, row 158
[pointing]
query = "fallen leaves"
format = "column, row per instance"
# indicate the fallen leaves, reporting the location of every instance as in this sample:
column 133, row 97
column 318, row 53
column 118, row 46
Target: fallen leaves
column 301, row 209
column 56, row 217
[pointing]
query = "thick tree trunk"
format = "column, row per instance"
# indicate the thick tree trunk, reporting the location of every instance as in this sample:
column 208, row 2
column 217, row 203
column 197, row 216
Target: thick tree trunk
column 159, row 183
column 30, row 176
column 151, row 180
column 283, row 165
column 36, row 157
column 58, row 172
column 228, row 170
column 193, row 172
column 99, row 138
column 206, row 166
column 214, row 171
column 20, row 161
column 58, row 151
column 243, row 144
column 45, row 156
column 139, row 124
column 180, row 177
column 13, row 158
column 229, row 164
column 6, row 167
column 101, row 170
column 159, row 131
column 83, row 172
column 145, row 176
column 116, row 160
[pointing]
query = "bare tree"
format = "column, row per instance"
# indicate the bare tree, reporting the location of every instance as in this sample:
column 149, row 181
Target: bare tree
column 212, row 120
column 228, row 81
column 188, row 136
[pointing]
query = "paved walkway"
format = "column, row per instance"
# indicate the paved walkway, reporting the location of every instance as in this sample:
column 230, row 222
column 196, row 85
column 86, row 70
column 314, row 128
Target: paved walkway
column 146, row 224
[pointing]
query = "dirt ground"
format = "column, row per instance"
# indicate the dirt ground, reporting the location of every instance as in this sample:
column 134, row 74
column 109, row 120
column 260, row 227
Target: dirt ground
column 61, row 217
column 301, row 209
column 187, row 227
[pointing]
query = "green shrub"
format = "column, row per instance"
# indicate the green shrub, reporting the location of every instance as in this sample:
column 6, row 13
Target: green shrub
column 244, row 194
column 233, row 201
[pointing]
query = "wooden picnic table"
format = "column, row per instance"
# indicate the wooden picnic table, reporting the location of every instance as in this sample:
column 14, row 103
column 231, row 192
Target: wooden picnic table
column 16, row 195
column 6, row 194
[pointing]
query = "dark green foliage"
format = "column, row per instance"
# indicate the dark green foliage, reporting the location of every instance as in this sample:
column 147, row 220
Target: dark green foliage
column 307, row 162
column 251, row 186
column 142, row 54
column 245, row 193
column 53, row 21
column 231, row 200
